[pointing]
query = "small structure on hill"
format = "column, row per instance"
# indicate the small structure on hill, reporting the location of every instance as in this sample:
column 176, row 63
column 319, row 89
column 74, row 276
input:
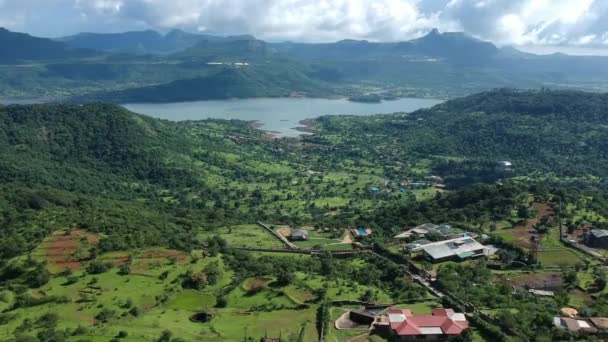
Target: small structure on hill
column 299, row 235
column 440, row 325
column 504, row 166
column 597, row 238
column 593, row 325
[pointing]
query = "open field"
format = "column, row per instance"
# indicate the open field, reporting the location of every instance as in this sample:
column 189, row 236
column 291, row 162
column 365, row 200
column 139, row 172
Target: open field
column 246, row 235
column 559, row 257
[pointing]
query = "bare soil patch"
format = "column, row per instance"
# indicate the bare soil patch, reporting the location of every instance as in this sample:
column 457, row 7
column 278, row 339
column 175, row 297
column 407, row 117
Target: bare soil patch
column 67, row 249
column 545, row 280
column 284, row 231
column 256, row 283
column 523, row 234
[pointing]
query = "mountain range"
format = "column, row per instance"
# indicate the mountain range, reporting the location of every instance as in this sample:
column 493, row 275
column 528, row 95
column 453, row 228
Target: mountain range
column 139, row 65
column 141, row 42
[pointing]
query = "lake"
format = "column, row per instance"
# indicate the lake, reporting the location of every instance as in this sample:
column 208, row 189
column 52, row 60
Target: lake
column 277, row 115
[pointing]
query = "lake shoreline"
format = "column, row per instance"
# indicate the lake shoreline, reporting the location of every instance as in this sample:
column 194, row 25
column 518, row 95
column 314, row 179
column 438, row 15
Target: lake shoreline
column 279, row 117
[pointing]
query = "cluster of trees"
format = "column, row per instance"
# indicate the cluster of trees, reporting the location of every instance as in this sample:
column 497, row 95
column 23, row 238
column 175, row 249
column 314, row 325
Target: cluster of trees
column 477, row 285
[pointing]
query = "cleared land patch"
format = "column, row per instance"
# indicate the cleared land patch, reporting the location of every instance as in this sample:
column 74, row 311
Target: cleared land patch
column 66, row 249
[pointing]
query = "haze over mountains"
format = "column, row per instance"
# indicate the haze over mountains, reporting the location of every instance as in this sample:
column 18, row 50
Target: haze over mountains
column 148, row 66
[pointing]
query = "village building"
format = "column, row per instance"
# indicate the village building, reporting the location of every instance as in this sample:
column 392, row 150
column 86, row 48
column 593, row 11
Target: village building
column 440, row 325
column 597, row 238
column 298, row 235
column 592, row 325
column 425, row 230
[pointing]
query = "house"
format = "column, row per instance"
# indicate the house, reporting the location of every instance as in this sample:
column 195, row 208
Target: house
column 574, row 325
column 592, row 325
column 418, row 232
column 440, row 325
column 455, row 249
column 298, row 235
column 597, row 238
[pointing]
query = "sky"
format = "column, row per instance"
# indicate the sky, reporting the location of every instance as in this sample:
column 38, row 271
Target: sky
column 545, row 23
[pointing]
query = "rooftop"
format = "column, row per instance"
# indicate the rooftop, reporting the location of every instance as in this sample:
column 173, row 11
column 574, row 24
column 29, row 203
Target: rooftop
column 440, row 322
column 464, row 247
column 599, row 233
column 299, row 232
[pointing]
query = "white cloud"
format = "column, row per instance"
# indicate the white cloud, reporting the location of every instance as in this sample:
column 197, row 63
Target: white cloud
column 585, row 40
column 501, row 21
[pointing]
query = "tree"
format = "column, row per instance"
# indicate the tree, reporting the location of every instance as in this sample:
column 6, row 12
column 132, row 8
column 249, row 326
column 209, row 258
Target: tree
column 124, row 269
column 368, row 296
column 165, row 336
column 105, row 315
column 284, row 278
column 562, row 298
column 38, row 277
column 97, row 267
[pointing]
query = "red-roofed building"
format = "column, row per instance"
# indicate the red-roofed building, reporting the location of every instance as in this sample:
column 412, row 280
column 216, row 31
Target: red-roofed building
column 440, row 325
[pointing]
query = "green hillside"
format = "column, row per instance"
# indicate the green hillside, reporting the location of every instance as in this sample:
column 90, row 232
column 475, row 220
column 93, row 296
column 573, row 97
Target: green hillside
column 117, row 226
column 542, row 132
column 230, row 82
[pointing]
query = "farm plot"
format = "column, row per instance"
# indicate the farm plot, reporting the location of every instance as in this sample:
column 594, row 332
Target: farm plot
column 536, row 280
column 320, row 239
column 66, row 249
column 247, row 235
column 559, row 257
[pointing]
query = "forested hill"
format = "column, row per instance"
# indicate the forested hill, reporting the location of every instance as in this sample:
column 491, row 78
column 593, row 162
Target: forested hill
column 72, row 164
column 20, row 47
column 49, row 142
column 87, row 147
column 230, row 82
column 580, row 106
column 542, row 132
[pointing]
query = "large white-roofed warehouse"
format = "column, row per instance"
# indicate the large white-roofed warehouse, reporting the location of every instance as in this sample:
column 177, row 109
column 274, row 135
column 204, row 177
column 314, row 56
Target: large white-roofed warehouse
column 455, row 249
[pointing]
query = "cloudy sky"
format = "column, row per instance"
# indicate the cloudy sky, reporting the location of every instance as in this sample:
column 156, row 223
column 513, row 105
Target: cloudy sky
column 582, row 23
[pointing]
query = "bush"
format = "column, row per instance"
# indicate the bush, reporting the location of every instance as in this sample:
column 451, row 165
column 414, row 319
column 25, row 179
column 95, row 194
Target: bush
column 221, row 302
column 105, row 315
column 97, row 267
column 165, row 336
column 134, row 311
